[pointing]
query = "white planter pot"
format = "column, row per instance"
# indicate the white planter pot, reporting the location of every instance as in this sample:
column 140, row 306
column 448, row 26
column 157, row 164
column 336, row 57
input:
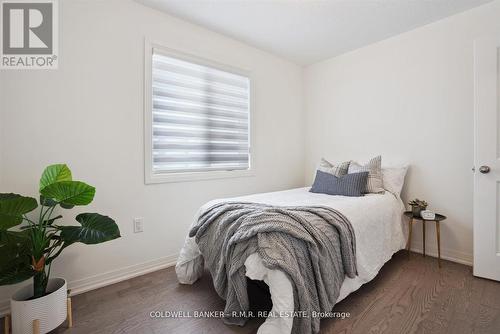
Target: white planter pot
column 50, row 310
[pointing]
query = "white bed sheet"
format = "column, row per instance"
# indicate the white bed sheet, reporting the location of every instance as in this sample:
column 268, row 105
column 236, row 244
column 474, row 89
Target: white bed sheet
column 377, row 224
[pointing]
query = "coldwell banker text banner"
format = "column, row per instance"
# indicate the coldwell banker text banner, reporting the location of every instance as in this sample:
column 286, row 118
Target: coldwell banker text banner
column 29, row 35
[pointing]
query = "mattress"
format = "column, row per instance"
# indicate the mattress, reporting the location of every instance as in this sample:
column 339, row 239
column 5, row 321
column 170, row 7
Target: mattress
column 377, row 224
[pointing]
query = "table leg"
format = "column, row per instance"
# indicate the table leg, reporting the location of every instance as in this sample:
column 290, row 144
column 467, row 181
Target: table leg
column 69, row 313
column 408, row 245
column 439, row 243
column 36, row 326
column 6, row 325
column 423, row 236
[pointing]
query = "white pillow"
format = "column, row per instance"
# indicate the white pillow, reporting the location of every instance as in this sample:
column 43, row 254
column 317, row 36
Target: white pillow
column 375, row 183
column 394, row 178
column 338, row 169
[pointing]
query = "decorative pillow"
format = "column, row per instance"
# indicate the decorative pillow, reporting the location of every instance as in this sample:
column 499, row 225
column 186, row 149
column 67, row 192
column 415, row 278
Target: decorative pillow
column 375, row 183
column 394, row 179
column 346, row 185
column 337, row 170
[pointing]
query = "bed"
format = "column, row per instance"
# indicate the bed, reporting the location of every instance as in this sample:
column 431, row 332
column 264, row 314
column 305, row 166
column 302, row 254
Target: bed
column 377, row 223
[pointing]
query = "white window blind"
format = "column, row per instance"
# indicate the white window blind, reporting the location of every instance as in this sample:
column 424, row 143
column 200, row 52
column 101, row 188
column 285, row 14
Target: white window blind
column 200, row 117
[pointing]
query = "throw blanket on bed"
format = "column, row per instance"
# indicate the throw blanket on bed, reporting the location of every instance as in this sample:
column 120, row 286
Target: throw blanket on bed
column 314, row 246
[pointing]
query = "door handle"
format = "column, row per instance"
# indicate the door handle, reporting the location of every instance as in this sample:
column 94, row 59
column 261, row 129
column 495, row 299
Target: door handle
column 484, row 169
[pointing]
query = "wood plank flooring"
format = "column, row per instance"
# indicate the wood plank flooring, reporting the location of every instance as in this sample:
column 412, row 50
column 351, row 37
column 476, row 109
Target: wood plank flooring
column 408, row 296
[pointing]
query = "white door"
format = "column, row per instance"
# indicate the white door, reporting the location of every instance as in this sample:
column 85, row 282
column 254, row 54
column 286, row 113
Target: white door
column 487, row 158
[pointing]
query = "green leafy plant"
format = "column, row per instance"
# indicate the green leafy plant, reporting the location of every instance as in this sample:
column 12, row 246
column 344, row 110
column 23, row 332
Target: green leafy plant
column 418, row 203
column 31, row 240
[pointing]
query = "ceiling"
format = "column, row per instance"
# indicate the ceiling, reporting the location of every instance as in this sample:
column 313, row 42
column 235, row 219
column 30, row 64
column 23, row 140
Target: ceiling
column 308, row 31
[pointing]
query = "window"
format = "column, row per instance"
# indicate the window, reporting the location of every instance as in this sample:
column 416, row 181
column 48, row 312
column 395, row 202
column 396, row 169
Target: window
column 199, row 119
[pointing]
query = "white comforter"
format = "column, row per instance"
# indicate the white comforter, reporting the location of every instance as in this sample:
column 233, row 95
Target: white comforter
column 378, row 228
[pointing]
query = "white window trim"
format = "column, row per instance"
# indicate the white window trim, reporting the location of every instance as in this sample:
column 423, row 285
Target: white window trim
column 149, row 176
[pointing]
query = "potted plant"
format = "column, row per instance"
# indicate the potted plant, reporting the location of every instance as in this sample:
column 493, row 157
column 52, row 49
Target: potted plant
column 417, row 206
column 31, row 238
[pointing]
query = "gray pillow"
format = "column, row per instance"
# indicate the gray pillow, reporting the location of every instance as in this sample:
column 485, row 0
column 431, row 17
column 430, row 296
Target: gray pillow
column 346, row 185
column 335, row 169
column 375, row 183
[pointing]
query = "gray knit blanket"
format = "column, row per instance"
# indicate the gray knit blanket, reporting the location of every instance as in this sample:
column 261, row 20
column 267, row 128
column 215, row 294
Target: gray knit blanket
column 315, row 246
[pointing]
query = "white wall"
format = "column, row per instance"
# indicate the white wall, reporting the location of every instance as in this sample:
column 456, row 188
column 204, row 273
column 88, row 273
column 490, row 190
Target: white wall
column 89, row 114
column 409, row 98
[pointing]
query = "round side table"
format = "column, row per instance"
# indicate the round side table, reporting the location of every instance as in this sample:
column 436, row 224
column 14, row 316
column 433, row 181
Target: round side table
column 437, row 220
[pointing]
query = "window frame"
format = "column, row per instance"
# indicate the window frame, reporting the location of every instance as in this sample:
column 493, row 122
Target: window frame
column 149, row 176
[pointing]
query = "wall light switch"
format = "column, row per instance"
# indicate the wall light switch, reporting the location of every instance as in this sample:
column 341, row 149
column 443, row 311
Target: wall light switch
column 138, row 225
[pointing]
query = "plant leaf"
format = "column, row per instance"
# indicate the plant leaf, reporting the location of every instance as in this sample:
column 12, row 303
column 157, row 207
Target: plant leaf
column 59, row 251
column 47, row 201
column 95, row 229
column 55, row 173
column 15, row 274
column 13, row 246
column 12, row 208
column 69, row 192
column 67, row 206
column 15, row 264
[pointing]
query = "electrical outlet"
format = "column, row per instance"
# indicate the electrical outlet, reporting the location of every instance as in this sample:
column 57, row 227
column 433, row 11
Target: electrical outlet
column 138, row 225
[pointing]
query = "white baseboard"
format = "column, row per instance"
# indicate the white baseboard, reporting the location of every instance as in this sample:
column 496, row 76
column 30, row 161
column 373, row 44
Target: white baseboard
column 446, row 254
column 108, row 278
column 115, row 276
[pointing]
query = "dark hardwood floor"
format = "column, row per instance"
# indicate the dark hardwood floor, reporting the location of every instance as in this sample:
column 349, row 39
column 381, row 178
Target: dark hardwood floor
column 408, row 296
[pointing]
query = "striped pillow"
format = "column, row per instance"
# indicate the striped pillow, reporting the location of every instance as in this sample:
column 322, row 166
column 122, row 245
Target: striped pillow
column 337, row 170
column 346, row 185
column 374, row 183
